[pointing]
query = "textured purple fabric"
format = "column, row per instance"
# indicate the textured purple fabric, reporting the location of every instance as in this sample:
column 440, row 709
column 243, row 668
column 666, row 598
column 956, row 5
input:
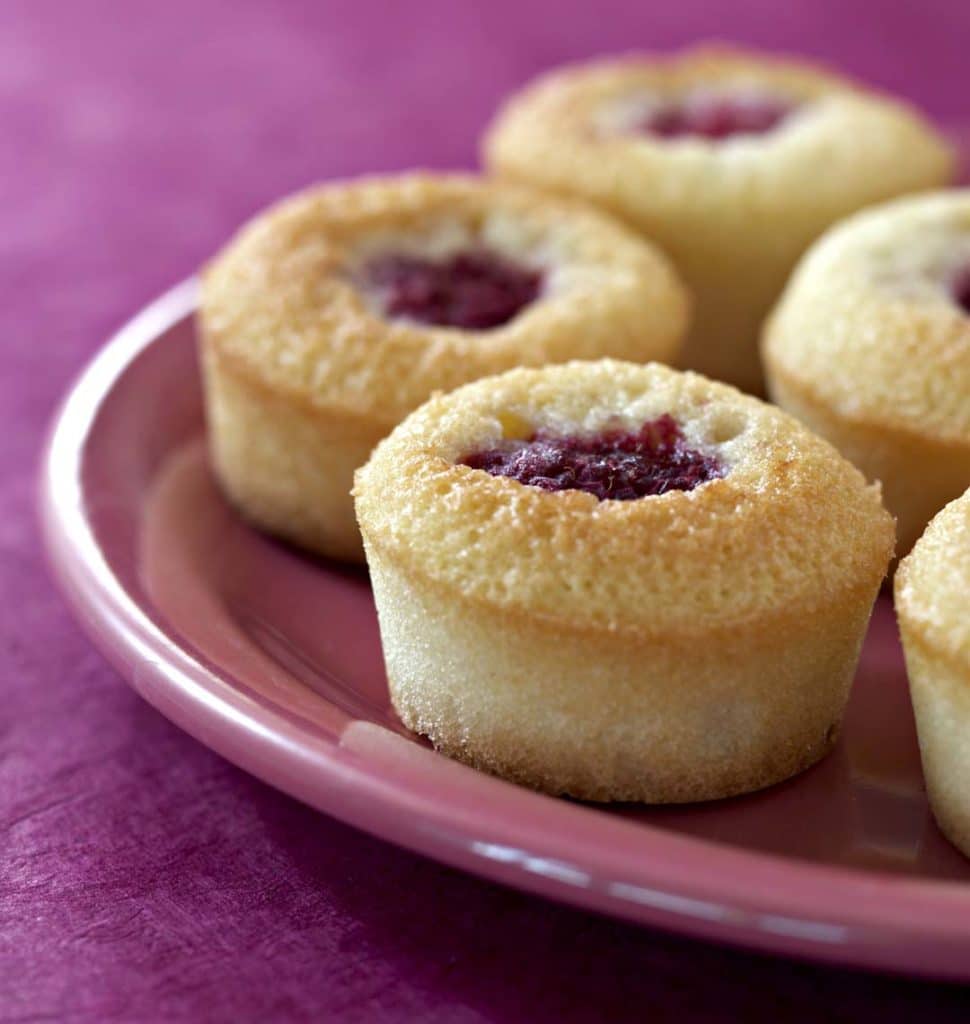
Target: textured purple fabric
column 141, row 877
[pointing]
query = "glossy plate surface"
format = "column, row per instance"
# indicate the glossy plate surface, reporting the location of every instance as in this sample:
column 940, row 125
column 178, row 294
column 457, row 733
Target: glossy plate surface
column 273, row 660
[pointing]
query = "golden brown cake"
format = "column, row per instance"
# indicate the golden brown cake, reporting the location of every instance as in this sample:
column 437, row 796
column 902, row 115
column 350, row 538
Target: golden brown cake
column 732, row 162
column 933, row 606
column 870, row 346
column 332, row 315
column 620, row 582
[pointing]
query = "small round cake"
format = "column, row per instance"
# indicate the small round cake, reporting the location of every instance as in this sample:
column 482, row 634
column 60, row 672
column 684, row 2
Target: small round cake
column 870, row 346
column 732, row 162
column 620, row 582
column 932, row 587
column 337, row 312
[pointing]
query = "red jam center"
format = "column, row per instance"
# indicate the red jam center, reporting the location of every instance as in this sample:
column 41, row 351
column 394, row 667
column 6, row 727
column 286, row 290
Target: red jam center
column 617, row 465
column 474, row 289
column 717, row 117
column 961, row 290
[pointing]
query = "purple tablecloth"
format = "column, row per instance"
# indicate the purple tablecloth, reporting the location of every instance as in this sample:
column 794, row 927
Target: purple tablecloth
column 141, row 877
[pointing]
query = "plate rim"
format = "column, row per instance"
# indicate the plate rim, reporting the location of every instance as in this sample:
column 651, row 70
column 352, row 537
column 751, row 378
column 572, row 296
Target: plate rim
column 777, row 904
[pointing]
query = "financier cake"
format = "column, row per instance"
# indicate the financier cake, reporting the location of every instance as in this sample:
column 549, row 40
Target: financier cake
column 733, row 162
column 870, row 346
column 932, row 588
column 333, row 314
column 620, row 582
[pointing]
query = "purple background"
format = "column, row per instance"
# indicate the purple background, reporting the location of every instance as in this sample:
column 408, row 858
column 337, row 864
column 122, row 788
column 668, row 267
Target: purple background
column 141, row 877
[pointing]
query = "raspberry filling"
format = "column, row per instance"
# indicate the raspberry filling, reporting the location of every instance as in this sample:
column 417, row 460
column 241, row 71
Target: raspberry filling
column 716, row 117
column 615, row 465
column 474, row 289
column 961, row 290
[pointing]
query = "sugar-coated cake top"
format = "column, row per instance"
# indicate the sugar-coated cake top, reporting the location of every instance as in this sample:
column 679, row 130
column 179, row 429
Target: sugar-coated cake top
column 874, row 321
column 932, row 583
column 789, row 525
column 354, row 295
column 719, row 137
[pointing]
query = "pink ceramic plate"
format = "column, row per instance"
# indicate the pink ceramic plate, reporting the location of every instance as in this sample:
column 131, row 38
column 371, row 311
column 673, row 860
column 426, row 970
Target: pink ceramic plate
column 273, row 660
